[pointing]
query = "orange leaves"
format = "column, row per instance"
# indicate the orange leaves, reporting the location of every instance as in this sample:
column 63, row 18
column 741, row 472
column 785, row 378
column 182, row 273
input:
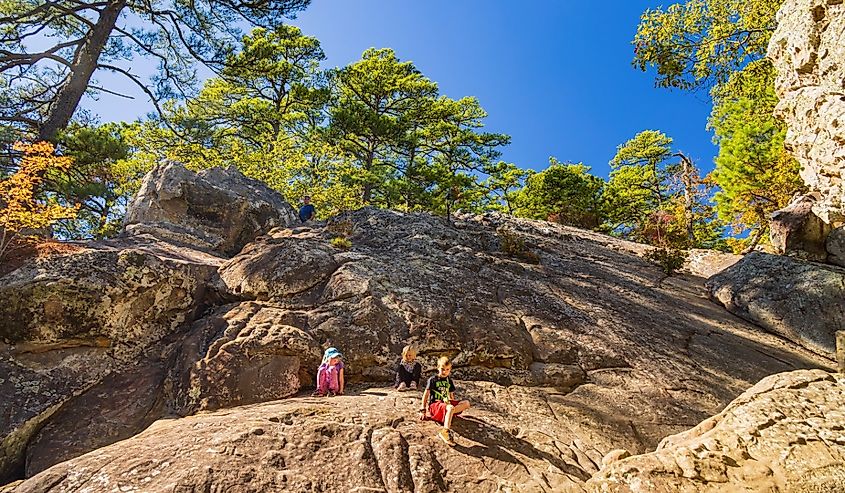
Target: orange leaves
column 23, row 212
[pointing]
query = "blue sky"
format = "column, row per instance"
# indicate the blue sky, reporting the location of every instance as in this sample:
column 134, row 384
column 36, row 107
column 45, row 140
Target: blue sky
column 555, row 75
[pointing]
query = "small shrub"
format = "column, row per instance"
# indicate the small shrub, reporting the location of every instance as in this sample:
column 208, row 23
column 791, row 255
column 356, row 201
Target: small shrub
column 341, row 243
column 342, row 227
column 669, row 259
column 514, row 246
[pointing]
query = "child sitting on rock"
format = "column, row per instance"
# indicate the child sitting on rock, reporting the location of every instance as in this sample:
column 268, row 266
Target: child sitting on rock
column 408, row 371
column 330, row 374
column 442, row 406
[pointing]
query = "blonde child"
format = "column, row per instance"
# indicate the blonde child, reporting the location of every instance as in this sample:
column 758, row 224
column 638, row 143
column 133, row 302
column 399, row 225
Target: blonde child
column 408, row 371
column 442, row 406
column 330, row 374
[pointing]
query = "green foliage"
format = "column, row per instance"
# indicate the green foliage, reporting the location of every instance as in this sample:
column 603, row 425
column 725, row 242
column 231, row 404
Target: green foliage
column 757, row 176
column 512, row 245
column 341, row 243
column 655, row 195
column 702, row 42
column 564, row 193
column 669, row 259
column 101, row 181
column 503, row 183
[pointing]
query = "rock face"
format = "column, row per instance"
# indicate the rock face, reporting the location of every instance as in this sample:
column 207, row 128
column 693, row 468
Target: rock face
column 836, row 246
column 569, row 349
column 808, row 51
column 801, row 301
column 707, row 263
column 70, row 320
column 797, row 231
column 783, row 434
column 217, row 210
column 367, row 441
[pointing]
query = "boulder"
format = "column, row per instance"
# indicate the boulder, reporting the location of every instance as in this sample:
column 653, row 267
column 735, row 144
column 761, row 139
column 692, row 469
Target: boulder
column 69, row 320
column 566, row 340
column 797, row 231
column 835, row 246
column 783, row 434
column 808, row 51
column 706, row 263
column 801, row 301
column 217, row 210
column 370, row 440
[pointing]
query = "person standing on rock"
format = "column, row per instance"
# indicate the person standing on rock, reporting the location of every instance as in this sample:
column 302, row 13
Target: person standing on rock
column 307, row 212
column 408, row 371
column 442, row 407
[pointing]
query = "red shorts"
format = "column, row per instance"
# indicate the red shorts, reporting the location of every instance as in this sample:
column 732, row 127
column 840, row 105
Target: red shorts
column 437, row 409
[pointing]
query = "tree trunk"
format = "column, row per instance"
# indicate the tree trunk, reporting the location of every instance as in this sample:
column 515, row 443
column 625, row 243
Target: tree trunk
column 687, row 180
column 754, row 240
column 84, row 64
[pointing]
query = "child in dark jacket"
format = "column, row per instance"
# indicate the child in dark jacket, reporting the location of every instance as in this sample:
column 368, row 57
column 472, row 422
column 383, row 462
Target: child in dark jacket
column 408, row 371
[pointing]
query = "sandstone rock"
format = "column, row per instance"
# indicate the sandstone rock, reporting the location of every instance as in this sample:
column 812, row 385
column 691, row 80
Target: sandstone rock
column 371, row 440
column 797, row 231
column 706, row 263
column 592, row 345
column 69, row 320
column 218, row 210
column 808, row 52
column 801, row 301
column 836, row 246
column 243, row 354
column 783, row 434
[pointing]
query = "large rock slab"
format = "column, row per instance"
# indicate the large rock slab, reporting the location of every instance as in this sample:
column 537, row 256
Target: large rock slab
column 370, row 440
column 801, row 301
column 217, row 209
column 67, row 321
column 783, row 434
column 808, row 51
column 569, row 331
column 797, row 231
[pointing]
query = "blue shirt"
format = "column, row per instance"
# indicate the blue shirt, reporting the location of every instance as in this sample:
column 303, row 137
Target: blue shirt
column 306, row 212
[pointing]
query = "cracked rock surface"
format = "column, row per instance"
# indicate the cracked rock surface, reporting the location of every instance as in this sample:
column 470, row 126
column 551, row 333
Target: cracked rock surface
column 569, row 345
column 787, row 433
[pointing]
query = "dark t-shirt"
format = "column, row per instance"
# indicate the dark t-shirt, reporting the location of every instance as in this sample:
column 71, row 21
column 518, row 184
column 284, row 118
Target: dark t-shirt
column 306, row 212
column 439, row 388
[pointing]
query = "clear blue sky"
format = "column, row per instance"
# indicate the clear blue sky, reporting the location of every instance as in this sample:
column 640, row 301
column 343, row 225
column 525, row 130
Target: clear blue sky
column 556, row 75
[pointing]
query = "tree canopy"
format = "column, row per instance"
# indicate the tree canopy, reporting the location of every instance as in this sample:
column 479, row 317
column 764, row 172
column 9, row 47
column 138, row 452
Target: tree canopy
column 43, row 87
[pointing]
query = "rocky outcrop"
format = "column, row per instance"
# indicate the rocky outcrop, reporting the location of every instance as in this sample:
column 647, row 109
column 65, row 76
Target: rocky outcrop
column 797, row 231
column 783, row 434
column 70, row 320
column 370, row 440
column 809, row 54
column 835, row 246
column 801, row 301
column 217, row 210
column 543, row 321
column 706, row 263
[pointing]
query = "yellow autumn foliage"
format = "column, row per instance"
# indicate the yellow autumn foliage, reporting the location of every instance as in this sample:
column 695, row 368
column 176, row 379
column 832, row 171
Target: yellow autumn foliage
column 22, row 211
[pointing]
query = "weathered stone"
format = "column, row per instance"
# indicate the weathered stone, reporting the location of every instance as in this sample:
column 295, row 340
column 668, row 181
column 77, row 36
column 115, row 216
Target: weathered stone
column 783, row 434
column 371, row 439
column 69, row 320
column 836, row 246
column 797, row 231
column 280, row 266
column 808, row 51
column 217, row 209
column 706, row 263
column 801, row 301
column 243, row 354
column 579, row 346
